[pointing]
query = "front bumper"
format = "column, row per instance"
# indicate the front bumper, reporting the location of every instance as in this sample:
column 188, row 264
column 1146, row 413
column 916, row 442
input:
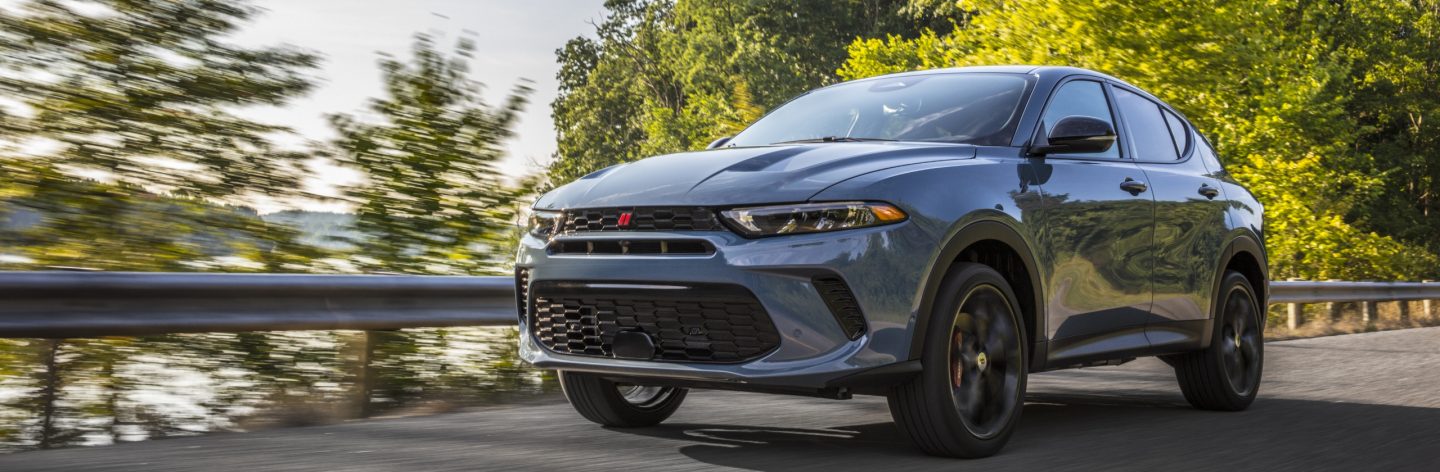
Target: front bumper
column 883, row 267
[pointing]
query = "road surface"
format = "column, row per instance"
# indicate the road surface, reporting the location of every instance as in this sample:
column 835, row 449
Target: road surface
column 1356, row 402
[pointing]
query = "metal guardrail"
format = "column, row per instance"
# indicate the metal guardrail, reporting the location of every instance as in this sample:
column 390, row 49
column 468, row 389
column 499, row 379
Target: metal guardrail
column 1305, row 291
column 47, row 304
column 87, row 304
column 1295, row 293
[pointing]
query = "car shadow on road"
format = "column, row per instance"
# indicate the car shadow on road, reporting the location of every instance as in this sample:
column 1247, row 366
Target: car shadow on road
column 1094, row 432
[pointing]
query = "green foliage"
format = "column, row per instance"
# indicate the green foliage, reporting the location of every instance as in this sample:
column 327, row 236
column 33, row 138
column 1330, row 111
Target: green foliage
column 663, row 76
column 1324, row 109
column 433, row 201
column 139, row 96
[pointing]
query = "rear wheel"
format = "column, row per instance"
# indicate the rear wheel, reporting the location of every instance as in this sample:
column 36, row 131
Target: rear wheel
column 1226, row 375
column 617, row 404
column 968, row 398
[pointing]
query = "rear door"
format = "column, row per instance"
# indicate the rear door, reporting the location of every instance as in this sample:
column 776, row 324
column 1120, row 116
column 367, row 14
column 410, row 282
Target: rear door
column 1094, row 238
column 1189, row 220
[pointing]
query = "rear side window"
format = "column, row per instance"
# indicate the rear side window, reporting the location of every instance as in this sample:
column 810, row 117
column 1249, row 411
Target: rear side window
column 1146, row 127
column 1080, row 98
column 1178, row 132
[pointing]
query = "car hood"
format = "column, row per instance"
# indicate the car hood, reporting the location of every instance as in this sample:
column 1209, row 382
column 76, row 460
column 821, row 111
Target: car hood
column 742, row 176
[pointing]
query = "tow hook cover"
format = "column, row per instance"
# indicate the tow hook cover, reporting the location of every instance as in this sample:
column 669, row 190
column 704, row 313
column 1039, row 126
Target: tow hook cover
column 633, row 345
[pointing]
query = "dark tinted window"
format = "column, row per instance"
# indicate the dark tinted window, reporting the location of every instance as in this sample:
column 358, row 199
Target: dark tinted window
column 1177, row 131
column 1080, row 98
column 977, row 109
column 1146, row 127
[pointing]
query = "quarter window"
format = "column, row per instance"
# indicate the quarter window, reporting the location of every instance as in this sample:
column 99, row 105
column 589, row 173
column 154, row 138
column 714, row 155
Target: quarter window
column 1146, row 127
column 1080, row 98
column 1177, row 131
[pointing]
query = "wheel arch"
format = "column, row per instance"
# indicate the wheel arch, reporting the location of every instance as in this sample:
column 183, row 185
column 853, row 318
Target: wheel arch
column 993, row 243
column 1244, row 254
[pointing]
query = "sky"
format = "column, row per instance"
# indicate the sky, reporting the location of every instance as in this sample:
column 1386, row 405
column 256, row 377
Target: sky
column 514, row 39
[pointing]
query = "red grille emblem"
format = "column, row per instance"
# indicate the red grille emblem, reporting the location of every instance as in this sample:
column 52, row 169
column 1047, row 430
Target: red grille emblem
column 625, row 219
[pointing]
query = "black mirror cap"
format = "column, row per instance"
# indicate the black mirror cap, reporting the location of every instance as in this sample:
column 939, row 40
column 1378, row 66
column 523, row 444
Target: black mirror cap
column 719, row 142
column 1075, row 134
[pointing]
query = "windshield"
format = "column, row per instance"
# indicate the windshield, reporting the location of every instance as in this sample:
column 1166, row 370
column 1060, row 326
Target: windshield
column 971, row 108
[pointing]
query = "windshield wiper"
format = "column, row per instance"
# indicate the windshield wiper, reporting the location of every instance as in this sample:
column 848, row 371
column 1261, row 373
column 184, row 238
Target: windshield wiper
column 832, row 139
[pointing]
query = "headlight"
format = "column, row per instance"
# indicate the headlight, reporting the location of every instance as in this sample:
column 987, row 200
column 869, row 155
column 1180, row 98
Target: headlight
column 811, row 217
column 543, row 223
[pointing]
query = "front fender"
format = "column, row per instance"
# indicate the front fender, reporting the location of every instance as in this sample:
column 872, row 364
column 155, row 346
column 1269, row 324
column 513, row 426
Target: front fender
column 960, row 204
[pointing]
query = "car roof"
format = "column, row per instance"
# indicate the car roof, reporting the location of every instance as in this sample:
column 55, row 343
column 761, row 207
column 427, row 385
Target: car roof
column 1042, row 71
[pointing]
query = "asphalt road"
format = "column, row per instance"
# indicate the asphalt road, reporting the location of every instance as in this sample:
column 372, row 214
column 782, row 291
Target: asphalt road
column 1357, row 402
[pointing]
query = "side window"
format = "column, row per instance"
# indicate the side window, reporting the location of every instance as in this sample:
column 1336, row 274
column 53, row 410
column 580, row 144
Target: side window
column 1080, row 98
column 1177, row 131
column 1146, row 127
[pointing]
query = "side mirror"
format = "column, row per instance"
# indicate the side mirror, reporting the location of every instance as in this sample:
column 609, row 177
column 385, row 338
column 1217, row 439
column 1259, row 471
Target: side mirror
column 1075, row 134
column 719, row 142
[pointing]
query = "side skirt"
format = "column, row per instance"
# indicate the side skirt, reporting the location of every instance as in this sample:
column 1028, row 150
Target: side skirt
column 1113, row 348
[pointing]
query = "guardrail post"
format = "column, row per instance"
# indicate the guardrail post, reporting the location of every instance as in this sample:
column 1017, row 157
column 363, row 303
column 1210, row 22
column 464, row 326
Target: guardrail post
column 1295, row 313
column 49, row 392
column 1367, row 315
column 365, row 374
column 1404, row 306
column 1428, row 304
column 1333, row 308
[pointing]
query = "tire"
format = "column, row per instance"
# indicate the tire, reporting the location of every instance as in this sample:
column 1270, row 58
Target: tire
column 1226, row 375
column 606, row 402
column 967, row 408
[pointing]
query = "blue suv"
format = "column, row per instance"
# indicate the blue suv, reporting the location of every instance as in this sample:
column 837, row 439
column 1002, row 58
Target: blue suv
column 932, row 237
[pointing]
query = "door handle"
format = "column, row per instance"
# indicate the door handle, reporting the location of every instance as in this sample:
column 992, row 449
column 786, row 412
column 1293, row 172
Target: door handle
column 1209, row 192
column 1133, row 186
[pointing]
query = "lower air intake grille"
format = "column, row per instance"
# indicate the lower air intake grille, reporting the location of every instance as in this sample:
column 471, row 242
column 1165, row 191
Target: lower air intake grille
column 522, row 290
column 842, row 304
column 693, row 323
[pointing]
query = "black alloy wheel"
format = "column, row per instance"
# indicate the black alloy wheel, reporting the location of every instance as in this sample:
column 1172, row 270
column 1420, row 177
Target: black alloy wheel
column 1226, row 375
column 985, row 362
column 968, row 397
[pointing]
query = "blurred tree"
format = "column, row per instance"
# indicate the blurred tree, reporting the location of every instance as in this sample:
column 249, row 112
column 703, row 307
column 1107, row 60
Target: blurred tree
column 126, row 114
column 664, row 76
column 1318, row 106
column 433, row 201
column 54, row 418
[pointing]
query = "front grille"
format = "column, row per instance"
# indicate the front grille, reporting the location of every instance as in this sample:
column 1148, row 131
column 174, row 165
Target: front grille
column 696, row 323
column 679, row 247
column 842, row 304
column 640, row 219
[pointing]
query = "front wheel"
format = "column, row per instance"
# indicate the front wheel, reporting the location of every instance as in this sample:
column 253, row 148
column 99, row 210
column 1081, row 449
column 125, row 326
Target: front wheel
column 966, row 401
column 1226, row 375
column 619, row 405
